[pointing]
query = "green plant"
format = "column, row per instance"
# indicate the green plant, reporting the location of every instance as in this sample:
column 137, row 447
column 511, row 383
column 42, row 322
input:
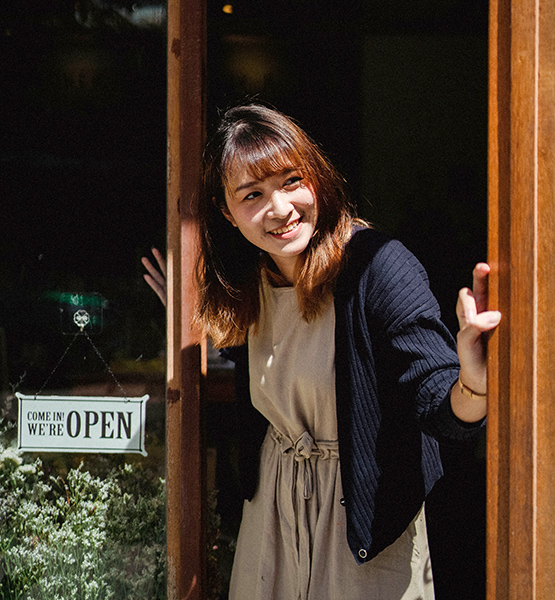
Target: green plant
column 66, row 534
column 81, row 537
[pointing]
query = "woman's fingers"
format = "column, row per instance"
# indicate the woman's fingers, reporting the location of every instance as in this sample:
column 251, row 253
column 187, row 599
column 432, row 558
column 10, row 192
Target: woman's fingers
column 154, row 273
column 158, row 289
column 474, row 321
column 156, row 279
column 471, row 317
column 472, row 304
column 160, row 260
column 480, row 285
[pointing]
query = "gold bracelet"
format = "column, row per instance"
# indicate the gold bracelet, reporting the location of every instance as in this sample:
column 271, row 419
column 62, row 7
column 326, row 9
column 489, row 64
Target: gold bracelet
column 468, row 392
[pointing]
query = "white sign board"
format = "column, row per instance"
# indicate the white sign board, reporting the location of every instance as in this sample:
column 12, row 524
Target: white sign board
column 81, row 424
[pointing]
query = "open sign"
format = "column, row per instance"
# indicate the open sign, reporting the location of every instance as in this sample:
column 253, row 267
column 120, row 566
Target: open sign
column 81, row 424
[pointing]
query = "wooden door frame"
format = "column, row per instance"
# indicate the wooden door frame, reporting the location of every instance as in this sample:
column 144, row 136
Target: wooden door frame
column 186, row 366
column 521, row 163
column 521, row 421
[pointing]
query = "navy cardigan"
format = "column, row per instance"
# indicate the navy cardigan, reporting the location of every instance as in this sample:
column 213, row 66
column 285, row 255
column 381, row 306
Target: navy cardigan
column 395, row 366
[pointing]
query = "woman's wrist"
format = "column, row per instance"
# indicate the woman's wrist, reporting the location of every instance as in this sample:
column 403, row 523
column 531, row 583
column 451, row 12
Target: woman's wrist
column 469, row 392
column 467, row 404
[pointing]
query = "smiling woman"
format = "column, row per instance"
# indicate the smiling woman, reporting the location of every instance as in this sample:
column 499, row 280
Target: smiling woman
column 348, row 378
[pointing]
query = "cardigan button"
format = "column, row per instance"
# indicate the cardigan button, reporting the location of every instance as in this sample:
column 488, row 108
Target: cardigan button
column 362, row 553
column 343, row 502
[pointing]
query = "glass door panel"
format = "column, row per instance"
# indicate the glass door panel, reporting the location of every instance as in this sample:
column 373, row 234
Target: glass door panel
column 83, row 199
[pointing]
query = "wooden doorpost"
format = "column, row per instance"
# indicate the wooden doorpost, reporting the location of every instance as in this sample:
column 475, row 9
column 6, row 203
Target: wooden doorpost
column 186, row 536
column 521, row 424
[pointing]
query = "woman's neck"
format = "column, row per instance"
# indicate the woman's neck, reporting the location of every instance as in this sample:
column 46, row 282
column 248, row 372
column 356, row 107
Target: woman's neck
column 283, row 275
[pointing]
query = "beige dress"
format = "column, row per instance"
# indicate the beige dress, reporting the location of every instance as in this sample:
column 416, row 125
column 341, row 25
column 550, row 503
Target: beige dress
column 292, row 542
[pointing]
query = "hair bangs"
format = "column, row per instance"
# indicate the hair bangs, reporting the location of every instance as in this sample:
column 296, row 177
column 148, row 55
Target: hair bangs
column 262, row 155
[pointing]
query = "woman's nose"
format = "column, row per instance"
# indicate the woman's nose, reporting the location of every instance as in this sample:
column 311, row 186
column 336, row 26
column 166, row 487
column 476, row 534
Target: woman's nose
column 280, row 206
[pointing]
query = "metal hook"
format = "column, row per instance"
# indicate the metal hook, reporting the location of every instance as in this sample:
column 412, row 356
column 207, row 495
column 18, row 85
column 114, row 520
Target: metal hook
column 81, row 318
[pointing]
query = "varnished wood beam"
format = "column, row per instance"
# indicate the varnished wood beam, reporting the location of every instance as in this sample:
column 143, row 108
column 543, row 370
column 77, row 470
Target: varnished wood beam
column 186, row 537
column 521, row 447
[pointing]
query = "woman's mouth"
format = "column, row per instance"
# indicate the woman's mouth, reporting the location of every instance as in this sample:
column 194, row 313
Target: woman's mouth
column 286, row 229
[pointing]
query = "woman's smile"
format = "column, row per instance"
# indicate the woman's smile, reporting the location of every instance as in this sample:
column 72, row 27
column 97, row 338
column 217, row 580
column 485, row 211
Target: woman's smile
column 287, row 229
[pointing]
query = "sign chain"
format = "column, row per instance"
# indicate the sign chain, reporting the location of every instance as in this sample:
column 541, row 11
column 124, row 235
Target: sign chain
column 107, row 366
column 82, row 319
column 57, row 365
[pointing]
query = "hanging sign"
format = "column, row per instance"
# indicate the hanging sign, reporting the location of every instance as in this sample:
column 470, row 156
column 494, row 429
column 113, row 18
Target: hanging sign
column 81, row 424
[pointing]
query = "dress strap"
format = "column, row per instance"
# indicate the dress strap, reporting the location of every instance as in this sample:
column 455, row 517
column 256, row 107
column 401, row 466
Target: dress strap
column 305, row 446
column 302, row 449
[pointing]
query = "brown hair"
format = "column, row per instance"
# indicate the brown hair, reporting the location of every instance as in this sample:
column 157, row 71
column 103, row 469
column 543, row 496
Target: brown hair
column 229, row 267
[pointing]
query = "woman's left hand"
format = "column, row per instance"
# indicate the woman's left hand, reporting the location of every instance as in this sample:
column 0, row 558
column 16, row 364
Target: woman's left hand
column 155, row 278
column 474, row 322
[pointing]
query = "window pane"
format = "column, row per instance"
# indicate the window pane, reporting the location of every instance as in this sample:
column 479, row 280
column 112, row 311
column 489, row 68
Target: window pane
column 84, row 196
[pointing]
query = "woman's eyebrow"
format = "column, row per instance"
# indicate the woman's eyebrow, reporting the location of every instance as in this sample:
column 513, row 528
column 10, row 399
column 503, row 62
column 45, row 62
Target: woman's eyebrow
column 246, row 185
column 249, row 184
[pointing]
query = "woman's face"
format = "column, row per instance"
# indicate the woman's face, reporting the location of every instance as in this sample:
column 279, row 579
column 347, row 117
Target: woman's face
column 277, row 214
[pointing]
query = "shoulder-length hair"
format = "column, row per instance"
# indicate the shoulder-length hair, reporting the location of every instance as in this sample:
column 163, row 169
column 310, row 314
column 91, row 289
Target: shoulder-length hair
column 229, row 268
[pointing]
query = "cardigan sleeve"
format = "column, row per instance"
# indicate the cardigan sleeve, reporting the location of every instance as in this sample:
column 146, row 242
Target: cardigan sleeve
column 415, row 349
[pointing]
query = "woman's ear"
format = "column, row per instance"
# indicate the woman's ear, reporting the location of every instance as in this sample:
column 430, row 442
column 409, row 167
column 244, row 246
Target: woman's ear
column 225, row 212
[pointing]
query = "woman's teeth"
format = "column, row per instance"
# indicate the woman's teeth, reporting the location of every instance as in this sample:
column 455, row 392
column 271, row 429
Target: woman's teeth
column 285, row 229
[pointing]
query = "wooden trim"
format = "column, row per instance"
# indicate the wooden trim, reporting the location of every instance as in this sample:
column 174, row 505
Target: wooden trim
column 545, row 206
column 521, row 453
column 185, row 457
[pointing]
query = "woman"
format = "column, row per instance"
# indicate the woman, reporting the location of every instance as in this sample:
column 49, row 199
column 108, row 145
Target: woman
column 339, row 347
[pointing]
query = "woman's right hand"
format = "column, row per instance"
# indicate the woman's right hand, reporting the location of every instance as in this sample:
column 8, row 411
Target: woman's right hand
column 156, row 279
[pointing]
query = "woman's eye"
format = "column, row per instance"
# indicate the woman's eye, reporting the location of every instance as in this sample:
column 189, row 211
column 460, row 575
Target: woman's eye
column 252, row 196
column 293, row 181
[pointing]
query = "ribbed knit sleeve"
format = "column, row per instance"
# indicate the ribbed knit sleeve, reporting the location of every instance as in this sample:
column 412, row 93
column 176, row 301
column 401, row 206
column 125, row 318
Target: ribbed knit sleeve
column 395, row 366
column 416, row 349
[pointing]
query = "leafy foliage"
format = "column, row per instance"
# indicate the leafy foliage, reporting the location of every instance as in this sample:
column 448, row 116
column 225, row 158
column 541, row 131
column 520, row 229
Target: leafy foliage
column 80, row 537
